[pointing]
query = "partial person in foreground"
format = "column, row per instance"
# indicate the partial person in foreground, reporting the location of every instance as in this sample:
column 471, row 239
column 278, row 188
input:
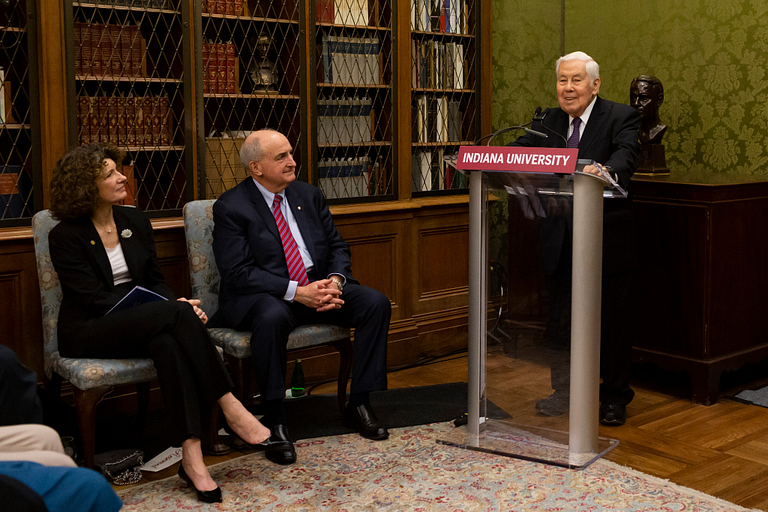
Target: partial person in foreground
column 35, row 473
column 283, row 264
column 101, row 251
column 607, row 133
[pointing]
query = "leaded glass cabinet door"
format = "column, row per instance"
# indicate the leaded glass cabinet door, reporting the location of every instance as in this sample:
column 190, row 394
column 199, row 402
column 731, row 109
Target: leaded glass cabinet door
column 444, row 97
column 128, row 64
column 19, row 120
column 249, row 55
column 353, row 101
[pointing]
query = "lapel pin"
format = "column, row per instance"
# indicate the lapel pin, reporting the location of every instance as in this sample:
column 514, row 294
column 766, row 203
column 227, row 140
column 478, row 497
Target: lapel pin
column 298, row 207
column 93, row 243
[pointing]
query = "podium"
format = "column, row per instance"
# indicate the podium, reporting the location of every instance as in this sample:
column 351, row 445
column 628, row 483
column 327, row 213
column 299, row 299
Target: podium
column 550, row 190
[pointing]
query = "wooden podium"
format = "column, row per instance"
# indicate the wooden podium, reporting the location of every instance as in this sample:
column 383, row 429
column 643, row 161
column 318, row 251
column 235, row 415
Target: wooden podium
column 535, row 167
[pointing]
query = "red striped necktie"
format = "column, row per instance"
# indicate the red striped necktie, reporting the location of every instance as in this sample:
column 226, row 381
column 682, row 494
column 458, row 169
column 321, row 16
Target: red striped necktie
column 296, row 270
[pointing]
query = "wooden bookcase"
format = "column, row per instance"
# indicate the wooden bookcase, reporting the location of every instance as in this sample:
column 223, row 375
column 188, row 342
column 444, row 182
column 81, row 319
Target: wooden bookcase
column 249, row 76
column 443, row 76
column 330, row 74
column 401, row 240
column 129, row 79
column 19, row 161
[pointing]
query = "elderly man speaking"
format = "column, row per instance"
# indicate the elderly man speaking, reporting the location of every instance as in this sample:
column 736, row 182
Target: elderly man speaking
column 605, row 132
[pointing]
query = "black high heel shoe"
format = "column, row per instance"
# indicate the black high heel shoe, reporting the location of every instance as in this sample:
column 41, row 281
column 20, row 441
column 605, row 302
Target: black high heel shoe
column 213, row 496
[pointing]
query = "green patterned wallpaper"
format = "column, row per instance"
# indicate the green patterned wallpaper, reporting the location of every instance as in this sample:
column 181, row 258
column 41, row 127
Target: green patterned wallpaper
column 710, row 55
column 526, row 43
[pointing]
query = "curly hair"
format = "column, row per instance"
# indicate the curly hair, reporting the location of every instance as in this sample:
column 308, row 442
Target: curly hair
column 75, row 182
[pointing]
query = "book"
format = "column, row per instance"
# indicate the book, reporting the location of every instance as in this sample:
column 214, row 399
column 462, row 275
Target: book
column 231, row 63
column 221, row 68
column 324, row 11
column 139, row 295
column 135, row 45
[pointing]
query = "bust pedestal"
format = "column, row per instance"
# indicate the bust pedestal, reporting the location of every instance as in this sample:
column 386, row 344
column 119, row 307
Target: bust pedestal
column 652, row 160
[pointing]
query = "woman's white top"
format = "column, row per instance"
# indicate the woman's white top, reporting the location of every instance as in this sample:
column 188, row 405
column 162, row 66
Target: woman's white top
column 120, row 271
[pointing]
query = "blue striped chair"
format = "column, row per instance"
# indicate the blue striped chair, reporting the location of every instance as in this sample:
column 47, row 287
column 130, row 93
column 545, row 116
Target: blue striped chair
column 198, row 229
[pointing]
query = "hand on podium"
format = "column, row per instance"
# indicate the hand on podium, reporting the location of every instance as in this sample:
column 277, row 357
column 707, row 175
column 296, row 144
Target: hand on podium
column 599, row 171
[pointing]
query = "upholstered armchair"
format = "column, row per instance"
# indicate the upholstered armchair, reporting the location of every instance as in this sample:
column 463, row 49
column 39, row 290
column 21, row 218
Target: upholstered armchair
column 91, row 379
column 198, row 229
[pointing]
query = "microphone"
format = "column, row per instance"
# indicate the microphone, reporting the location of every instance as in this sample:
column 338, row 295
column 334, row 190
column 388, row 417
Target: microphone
column 491, row 136
column 540, row 116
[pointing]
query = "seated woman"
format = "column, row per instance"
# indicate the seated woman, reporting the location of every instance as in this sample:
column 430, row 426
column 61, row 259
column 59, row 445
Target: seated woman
column 101, row 251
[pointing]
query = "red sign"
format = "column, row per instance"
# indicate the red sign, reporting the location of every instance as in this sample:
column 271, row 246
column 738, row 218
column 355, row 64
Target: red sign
column 516, row 159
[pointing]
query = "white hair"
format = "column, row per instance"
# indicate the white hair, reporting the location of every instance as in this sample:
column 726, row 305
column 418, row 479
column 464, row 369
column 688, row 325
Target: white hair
column 593, row 69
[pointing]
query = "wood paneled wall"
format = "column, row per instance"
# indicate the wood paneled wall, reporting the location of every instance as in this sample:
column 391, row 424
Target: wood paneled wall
column 414, row 252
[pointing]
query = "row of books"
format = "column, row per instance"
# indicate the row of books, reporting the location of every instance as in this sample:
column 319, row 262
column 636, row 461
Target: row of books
column 437, row 65
column 436, row 119
column 344, row 121
column 154, row 4
column 227, row 7
column 124, row 121
column 219, row 68
column 430, row 172
column 444, row 16
column 108, row 50
column 350, row 60
column 350, row 177
column 342, row 12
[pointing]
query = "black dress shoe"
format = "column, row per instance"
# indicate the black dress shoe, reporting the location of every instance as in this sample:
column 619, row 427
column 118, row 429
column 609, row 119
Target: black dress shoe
column 363, row 419
column 213, row 496
column 613, row 414
column 279, row 447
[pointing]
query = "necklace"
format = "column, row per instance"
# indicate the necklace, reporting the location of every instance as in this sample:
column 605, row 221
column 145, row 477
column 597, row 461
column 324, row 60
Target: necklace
column 107, row 230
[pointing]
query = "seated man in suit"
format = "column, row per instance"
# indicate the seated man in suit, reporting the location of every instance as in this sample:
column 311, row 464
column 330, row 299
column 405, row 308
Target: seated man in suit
column 283, row 264
column 605, row 132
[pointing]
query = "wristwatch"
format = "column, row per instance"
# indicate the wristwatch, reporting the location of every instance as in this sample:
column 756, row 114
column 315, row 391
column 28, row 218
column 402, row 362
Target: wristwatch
column 339, row 284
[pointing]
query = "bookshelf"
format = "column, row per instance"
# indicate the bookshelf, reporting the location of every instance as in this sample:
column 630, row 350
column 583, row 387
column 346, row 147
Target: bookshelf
column 19, row 164
column 333, row 75
column 353, row 109
column 443, row 98
column 251, row 78
column 128, row 63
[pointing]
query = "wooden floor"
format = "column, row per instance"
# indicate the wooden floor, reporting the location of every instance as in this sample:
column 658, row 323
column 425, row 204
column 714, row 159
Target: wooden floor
column 721, row 450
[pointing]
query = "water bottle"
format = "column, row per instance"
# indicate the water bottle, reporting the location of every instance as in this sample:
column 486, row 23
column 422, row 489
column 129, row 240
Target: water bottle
column 297, row 380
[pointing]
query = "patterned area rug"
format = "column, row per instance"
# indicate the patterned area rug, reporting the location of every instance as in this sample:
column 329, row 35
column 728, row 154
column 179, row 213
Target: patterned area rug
column 411, row 472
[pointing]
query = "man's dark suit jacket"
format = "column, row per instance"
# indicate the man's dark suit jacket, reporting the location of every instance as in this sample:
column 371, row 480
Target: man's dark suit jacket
column 86, row 277
column 610, row 138
column 249, row 252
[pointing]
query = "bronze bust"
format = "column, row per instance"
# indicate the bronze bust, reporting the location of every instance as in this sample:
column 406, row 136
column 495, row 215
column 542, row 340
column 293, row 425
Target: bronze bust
column 646, row 94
